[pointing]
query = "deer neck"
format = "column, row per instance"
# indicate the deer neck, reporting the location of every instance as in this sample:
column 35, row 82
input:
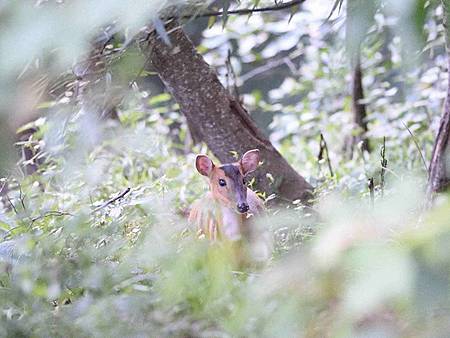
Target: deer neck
column 232, row 222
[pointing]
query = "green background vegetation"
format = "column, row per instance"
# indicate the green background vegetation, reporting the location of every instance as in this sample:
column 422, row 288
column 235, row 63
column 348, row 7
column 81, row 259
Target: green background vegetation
column 353, row 266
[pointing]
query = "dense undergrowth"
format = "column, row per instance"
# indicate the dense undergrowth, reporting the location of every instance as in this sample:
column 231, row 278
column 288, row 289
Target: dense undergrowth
column 87, row 263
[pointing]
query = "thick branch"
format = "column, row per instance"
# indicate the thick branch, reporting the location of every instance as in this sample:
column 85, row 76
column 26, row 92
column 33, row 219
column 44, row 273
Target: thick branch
column 246, row 11
column 113, row 199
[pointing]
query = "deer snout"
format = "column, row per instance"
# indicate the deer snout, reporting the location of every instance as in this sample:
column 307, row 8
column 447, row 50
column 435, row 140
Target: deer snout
column 242, row 207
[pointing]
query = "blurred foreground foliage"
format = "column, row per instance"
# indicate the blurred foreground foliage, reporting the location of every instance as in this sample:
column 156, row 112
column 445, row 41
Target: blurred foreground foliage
column 74, row 264
column 83, row 267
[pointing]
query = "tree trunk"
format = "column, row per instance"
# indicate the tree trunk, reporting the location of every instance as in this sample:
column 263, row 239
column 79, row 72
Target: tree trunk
column 439, row 171
column 217, row 118
column 359, row 108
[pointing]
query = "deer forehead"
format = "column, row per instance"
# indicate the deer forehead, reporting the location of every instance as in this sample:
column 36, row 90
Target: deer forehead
column 229, row 172
column 232, row 171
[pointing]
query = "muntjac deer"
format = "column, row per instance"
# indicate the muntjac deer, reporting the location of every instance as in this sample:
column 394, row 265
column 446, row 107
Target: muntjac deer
column 226, row 212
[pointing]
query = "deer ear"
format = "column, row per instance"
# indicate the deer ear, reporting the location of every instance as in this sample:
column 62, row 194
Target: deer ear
column 249, row 161
column 204, row 165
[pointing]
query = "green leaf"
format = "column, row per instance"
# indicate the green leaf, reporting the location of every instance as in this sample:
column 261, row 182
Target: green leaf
column 234, row 154
column 161, row 98
column 31, row 125
column 294, row 9
column 211, row 21
column 226, row 7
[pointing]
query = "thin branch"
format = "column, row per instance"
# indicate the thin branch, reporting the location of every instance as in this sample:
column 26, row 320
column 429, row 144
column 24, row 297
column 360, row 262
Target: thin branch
column 112, row 200
column 3, row 185
column 21, row 196
column 56, row 213
column 231, row 76
column 51, row 213
column 246, row 11
column 12, row 204
column 324, row 149
column 337, row 6
column 7, row 233
column 418, row 148
column 384, row 163
column 271, row 65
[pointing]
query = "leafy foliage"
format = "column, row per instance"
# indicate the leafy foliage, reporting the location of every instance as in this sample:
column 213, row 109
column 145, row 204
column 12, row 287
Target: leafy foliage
column 96, row 242
column 133, row 266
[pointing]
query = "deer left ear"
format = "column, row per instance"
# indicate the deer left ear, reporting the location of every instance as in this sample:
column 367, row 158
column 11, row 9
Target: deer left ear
column 204, row 165
column 249, row 161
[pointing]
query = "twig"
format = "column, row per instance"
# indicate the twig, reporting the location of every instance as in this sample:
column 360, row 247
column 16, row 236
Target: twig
column 337, row 6
column 7, row 233
column 271, row 65
column 418, row 148
column 371, row 186
column 112, row 200
column 37, row 218
column 50, row 213
column 384, row 163
column 231, row 76
column 324, row 149
column 3, row 185
column 21, row 197
column 12, row 205
column 246, row 11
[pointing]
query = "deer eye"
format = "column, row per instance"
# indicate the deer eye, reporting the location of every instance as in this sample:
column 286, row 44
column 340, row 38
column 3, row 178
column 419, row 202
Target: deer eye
column 222, row 183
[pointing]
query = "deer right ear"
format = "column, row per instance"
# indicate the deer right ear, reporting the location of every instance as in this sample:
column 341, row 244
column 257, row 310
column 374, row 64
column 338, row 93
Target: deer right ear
column 204, row 165
column 250, row 161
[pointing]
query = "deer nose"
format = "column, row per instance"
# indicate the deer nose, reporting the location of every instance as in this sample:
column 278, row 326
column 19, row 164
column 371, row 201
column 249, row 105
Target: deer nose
column 243, row 207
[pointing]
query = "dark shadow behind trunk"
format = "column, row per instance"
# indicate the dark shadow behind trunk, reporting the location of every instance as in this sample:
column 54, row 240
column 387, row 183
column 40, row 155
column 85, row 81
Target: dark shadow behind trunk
column 359, row 111
column 439, row 170
column 217, row 118
column 358, row 106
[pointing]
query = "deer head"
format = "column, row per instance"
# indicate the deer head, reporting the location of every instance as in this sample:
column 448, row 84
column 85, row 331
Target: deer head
column 227, row 182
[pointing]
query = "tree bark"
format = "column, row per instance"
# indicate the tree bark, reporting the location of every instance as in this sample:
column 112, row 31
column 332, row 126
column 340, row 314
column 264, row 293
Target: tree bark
column 217, row 118
column 439, row 171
